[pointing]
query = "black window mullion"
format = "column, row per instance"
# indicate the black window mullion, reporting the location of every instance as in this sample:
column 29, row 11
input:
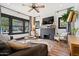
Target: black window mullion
column 23, row 26
column 10, row 25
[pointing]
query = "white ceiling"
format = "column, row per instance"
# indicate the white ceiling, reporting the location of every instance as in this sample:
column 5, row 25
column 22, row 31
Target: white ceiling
column 49, row 10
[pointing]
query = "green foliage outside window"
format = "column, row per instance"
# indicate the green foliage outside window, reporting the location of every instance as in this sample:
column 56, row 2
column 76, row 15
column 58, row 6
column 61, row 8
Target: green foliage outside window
column 4, row 24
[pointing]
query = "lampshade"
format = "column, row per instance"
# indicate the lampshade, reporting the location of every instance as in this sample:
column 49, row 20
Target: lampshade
column 69, row 19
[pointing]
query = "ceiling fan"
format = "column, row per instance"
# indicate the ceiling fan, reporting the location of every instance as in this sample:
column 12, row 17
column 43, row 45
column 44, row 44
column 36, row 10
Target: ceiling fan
column 35, row 7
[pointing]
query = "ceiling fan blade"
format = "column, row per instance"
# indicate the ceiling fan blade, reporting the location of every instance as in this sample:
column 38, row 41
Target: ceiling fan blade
column 40, row 6
column 30, row 10
column 36, row 10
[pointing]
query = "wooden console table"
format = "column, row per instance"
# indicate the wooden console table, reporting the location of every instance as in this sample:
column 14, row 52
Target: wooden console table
column 73, row 42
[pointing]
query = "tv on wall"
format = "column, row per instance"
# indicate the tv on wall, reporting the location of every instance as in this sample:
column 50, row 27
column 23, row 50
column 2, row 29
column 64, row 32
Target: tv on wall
column 48, row 20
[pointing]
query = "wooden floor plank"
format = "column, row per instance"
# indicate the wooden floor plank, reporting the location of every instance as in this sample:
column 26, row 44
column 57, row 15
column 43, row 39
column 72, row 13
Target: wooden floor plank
column 59, row 49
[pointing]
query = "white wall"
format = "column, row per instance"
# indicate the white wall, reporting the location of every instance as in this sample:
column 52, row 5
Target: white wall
column 77, row 25
column 77, row 22
column 9, row 12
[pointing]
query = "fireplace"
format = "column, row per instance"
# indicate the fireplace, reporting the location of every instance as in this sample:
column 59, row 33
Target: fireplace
column 46, row 36
column 47, row 33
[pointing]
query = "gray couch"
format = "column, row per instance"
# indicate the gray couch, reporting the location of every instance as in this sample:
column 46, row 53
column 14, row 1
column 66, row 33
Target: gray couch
column 38, row 50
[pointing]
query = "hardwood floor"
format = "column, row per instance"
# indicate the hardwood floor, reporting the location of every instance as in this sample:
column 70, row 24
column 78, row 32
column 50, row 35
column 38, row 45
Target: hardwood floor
column 59, row 49
column 54, row 48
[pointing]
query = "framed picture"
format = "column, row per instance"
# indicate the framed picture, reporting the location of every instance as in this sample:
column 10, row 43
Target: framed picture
column 61, row 23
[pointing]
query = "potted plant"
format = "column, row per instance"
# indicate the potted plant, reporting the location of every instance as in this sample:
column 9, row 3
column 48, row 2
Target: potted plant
column 74, row 30
column 65, row 15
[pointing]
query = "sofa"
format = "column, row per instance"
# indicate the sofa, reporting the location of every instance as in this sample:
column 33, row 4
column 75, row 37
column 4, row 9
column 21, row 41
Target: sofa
column 38, row 50
column 7, row 48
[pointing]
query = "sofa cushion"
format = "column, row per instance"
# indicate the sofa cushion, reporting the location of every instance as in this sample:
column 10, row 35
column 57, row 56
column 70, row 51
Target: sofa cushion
column 38, row 50
column 5, row 38
column 17, row 45
column 4, row 49
column 19, row 38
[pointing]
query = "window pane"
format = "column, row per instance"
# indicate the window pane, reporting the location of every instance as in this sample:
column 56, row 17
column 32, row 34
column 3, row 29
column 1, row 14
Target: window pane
column 61, row 23
column 17, row 26
column 37, row 24
column 5, row 25
column 26, row 26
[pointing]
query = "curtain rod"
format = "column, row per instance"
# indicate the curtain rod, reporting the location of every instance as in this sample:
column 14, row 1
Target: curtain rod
column 14, row 10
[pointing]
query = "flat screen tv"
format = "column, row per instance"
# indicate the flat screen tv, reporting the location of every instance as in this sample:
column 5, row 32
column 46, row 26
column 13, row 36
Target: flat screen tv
column 48, row 20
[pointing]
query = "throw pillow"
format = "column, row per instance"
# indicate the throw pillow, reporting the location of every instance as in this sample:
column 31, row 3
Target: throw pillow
column 17, row 45
column 4, row 38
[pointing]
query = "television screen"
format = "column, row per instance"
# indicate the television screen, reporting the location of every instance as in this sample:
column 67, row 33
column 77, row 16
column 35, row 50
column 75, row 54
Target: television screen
column 48, row 20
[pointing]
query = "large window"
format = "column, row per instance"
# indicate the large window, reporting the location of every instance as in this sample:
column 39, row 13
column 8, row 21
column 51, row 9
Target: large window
column 26, row 26
column 5, row 25
column 37, row 24
column 61, row 24
column 13, row 25
column 17, row 26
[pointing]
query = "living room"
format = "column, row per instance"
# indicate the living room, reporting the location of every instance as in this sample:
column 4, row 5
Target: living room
column 39, row 29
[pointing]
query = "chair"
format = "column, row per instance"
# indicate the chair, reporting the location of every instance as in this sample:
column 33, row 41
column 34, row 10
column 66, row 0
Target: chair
column 61, row 36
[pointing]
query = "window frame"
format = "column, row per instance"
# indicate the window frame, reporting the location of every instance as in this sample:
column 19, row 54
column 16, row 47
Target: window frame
column 17, row 25
column 11, row 24
column 59, row 19
column 37, row 22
